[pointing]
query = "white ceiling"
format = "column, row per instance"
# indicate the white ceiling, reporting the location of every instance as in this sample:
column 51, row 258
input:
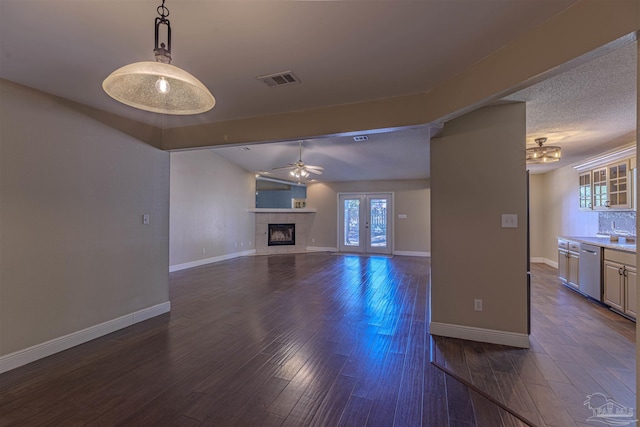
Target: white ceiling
column 343, row 52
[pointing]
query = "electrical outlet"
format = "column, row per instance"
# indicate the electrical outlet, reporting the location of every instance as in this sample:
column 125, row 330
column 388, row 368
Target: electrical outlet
column 204, row 251
column 477, row 304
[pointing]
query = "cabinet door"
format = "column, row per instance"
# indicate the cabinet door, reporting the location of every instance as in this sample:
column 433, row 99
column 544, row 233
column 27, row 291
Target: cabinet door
column 574, row 262
column 584, row 188
column 563, row 266
column 613, row 285
column 600, row 200
column 618, row 178
column 630, row 292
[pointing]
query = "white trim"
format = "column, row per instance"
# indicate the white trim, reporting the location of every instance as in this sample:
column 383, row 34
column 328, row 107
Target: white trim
column 604, row 159
column 197, row 263
column 39, row 351
column 413, row 253
column 512, row 339
column 282, row 210
column 543, row 260
column 320, row 249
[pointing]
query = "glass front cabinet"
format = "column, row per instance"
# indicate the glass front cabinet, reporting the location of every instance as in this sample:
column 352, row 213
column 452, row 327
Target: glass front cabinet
column 586, row 198
column 607, row 186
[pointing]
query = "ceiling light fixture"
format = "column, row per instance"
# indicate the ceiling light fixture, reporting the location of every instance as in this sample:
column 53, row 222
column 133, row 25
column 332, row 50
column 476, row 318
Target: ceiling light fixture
column 300, row 169
column 540, row 154
column 158, row 86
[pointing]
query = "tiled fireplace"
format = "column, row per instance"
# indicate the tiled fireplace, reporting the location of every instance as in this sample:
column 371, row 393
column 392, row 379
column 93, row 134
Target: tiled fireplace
column 288, row 231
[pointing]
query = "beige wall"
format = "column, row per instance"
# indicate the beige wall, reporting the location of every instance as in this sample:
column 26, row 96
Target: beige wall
column 537, row 215
column 73, row 250
column 209, row 201
column 478, row 174
column 411, row 197
column 561, row 215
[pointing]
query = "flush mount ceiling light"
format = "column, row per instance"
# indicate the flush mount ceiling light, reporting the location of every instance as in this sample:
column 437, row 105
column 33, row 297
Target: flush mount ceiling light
column 540, row 154
column 158, row 86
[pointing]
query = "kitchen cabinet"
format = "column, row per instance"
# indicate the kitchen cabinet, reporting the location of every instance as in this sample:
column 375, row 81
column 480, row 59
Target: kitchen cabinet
column 608, row 184
column 600, row 188
column 619, row 194
column 620, row 281
column 568, row 262
column 586, row 198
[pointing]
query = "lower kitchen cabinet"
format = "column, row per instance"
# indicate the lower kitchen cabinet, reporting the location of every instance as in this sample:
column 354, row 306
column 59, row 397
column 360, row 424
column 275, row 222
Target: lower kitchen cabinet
column 568, row 262
column 630, row 293
column 620, row 281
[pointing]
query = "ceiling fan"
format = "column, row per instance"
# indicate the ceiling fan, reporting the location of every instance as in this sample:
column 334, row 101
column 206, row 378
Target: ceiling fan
column 300, row 169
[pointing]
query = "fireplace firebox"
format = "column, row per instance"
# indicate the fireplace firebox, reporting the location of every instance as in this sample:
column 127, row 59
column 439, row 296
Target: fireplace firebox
column 281, row 234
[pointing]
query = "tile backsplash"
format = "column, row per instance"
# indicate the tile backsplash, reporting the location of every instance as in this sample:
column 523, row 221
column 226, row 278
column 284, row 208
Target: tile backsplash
column 616, row 222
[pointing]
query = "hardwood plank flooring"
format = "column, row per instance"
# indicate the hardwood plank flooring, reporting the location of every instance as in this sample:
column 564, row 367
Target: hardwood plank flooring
column 578, row 347
column 317, row 340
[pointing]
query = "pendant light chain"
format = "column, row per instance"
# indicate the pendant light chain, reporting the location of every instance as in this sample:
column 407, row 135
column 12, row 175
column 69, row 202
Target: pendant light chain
column 162, row 51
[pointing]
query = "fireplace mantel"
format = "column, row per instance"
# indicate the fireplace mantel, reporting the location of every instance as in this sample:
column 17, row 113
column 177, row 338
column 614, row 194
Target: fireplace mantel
column 282, row 210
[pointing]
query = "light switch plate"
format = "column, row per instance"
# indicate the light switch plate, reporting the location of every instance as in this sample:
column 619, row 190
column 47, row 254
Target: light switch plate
column 509, row 220
column 402, row 216
column 145, row 219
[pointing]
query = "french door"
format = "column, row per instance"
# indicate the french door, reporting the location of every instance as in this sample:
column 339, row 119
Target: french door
column 365, row 223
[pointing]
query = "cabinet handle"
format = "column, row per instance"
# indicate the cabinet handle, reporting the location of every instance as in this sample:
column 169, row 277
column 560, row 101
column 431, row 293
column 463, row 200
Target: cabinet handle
column 624, row 273
column 621, row 271
column 607, row 204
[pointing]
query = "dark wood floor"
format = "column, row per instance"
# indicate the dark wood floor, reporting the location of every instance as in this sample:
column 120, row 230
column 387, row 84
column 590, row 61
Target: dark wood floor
column 578, row 348
column 291, row 340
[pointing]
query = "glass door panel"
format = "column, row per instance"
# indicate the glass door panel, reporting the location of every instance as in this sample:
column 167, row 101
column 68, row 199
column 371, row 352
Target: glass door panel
column 351, row 222
column 378, row 221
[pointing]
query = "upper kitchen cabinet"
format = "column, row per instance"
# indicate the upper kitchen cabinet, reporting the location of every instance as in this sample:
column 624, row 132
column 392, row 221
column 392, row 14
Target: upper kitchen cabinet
column 608, row 182
column 586, row 197
column 619, row 186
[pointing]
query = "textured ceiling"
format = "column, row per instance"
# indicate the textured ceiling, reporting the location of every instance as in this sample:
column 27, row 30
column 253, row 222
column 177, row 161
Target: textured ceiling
column 585, row 111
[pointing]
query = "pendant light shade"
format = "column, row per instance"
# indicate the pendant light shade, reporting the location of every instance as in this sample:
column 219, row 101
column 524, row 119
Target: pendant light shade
column 540, row 154
column 158, row 86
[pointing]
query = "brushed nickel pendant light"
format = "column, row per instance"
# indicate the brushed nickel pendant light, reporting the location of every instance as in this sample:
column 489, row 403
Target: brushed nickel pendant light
column 540, row 154
column 158, row 86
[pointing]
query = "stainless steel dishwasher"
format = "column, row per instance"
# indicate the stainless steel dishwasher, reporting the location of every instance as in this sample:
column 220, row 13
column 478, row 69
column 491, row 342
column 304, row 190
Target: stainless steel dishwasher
column 590, row 271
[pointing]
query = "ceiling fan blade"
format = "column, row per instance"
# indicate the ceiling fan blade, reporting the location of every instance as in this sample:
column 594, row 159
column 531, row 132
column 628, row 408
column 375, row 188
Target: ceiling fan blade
column 284, row 167
column 320, row 168
column 317, row 172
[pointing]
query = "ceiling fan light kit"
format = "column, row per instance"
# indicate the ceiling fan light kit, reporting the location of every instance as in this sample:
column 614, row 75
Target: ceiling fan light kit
column 300, row 170
column 158, row 86
column 540, row 154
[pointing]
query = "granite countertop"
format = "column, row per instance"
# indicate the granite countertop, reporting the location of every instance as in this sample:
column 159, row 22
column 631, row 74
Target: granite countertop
column 603, row 242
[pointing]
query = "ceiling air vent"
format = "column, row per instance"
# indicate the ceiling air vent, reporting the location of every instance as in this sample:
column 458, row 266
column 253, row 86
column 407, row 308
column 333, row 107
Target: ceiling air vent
column 360, row 138
column 284, row 78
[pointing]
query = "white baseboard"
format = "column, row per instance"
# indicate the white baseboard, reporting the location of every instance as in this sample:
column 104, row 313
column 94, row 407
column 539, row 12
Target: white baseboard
column 412, row 253
column 39, row 351
column 320, row 249
column 542, row 260
column 197, row 263
column 492, row 336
